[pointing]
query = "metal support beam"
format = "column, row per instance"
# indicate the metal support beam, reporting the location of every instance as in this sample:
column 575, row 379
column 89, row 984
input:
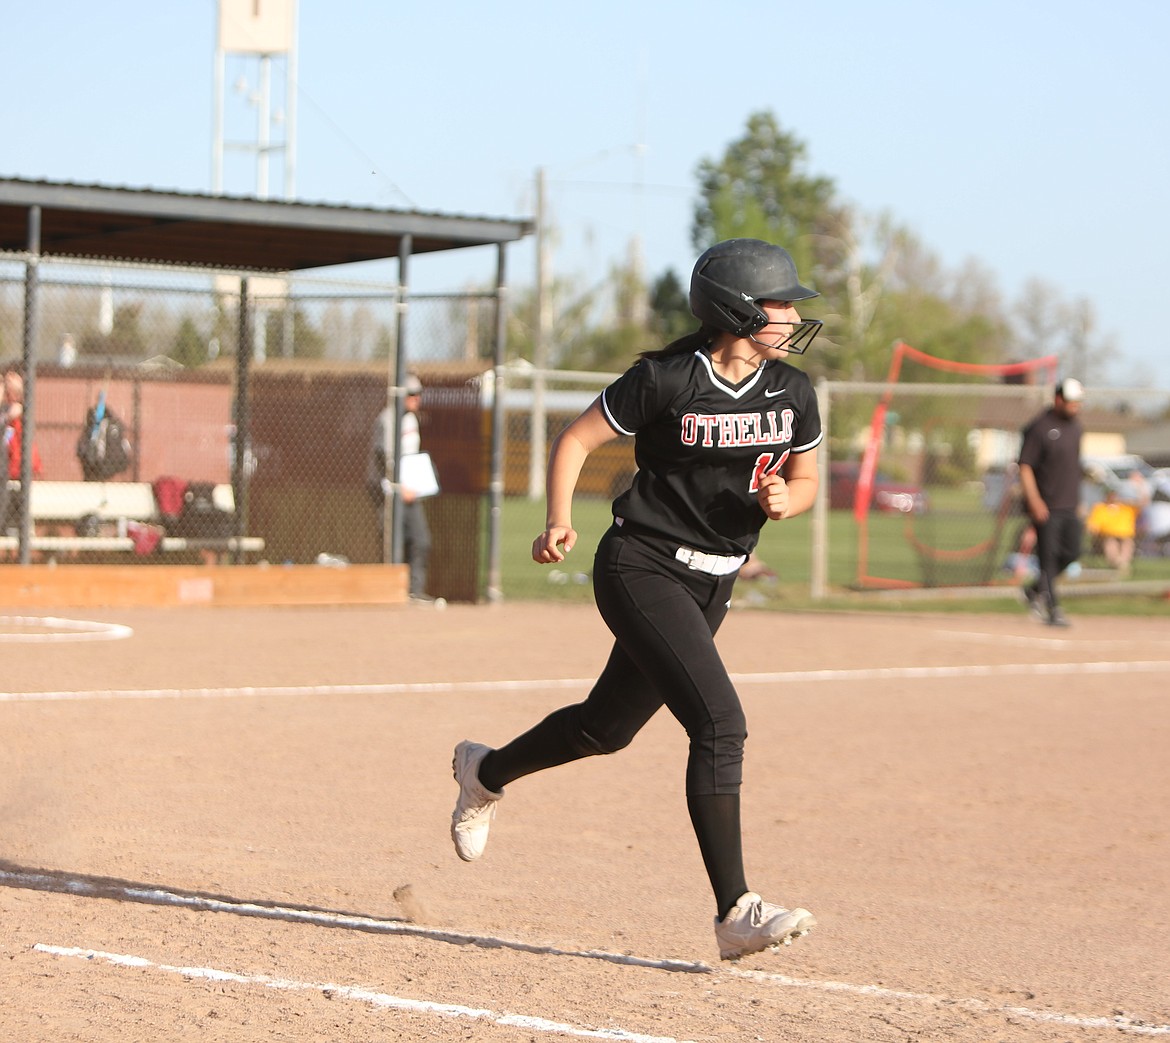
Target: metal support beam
column 29, row 415
column 820, row 519
column 242, row 446
column 398, row 539
column 496, row 489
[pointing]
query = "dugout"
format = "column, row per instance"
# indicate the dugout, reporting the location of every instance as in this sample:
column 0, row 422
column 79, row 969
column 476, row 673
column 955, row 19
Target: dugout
column 245, row 239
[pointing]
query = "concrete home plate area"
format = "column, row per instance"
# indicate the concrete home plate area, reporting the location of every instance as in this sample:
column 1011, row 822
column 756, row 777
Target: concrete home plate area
column 230, row 823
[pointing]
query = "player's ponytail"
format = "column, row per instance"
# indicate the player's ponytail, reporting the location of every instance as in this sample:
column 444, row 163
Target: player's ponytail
column 687, row 344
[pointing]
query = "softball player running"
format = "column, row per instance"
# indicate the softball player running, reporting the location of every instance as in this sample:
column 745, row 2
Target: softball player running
column 724, row 430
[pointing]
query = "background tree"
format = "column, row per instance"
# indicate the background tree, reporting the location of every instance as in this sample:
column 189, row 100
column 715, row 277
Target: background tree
column 572, row 324
column 125, row 339
column 878, row 283
column 614, row 345
column 309, row 342
column 1048, row 324
column 189, row 348
column 759, row 189
column 670, row 308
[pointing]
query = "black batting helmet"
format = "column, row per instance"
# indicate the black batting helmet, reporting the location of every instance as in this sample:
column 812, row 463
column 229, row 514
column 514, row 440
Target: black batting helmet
column 732, row 275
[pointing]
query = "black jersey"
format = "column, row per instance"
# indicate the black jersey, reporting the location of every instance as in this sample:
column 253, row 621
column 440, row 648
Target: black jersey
column 1051, row 446
column 703, row 446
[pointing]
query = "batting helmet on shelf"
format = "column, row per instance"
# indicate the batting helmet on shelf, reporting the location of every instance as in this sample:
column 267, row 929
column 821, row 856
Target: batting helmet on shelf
column 731, row 276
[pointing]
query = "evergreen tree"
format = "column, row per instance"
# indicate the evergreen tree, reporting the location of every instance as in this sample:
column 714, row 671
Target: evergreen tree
column 189, row 347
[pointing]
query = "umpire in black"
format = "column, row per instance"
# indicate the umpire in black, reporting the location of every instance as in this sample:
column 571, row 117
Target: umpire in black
column 1050, row 473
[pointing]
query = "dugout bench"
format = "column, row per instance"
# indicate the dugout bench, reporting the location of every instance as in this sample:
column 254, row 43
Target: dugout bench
column 114, row 505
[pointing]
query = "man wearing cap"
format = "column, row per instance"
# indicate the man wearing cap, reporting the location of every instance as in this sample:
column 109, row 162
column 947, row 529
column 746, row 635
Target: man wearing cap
column 416, row 533
column 1050, row 473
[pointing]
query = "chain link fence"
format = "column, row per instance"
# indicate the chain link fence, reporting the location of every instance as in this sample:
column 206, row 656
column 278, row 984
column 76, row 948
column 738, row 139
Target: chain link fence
column 158, row 350
column 943, row 509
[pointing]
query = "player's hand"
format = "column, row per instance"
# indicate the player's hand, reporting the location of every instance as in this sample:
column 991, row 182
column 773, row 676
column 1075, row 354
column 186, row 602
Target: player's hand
column 546, row 548
column 773, row 497
column 1039, row 512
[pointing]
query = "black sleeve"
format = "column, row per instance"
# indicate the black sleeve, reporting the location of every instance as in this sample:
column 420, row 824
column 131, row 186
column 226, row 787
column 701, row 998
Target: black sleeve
column 808, row 433
column 634, row 399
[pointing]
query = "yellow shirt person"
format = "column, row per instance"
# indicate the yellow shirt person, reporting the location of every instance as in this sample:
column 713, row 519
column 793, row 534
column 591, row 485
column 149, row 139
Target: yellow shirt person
column 1115, row 524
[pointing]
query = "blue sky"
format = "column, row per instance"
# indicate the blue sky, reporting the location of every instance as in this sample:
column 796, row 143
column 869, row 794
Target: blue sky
column 1031, row 137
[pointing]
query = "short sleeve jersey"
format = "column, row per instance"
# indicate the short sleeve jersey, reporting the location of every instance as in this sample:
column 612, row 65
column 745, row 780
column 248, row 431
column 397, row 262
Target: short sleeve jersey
column 1051, row 446
column 702, row 446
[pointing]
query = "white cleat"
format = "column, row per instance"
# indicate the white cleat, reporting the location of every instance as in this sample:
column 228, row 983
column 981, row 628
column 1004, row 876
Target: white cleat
column 476, row 806
column 754, row 925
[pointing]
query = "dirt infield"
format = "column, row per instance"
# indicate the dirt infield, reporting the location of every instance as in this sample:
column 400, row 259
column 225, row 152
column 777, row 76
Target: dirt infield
column 231, row 825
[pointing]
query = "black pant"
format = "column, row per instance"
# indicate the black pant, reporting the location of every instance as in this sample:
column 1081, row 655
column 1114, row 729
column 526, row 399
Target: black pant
column 11, row 505
column 416, row 538
column 1058, row 545
column 416, row 545
column 663, row 617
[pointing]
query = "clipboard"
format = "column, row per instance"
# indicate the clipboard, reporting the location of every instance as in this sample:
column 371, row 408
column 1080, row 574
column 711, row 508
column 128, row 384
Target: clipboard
column 417, row 473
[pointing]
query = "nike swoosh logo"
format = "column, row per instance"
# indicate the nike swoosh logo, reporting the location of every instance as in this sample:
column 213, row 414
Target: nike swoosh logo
column 773, row 394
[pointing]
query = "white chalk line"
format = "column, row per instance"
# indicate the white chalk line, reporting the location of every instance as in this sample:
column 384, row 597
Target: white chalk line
column 54, row 628
column 909, row 673
column 293, row 913
column 982, row 637
column 361, row 995
column 1117, row 1022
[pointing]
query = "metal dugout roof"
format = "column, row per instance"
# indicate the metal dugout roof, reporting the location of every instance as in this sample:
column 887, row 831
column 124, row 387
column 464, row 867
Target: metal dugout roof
column 48, row 219
column 151, row 226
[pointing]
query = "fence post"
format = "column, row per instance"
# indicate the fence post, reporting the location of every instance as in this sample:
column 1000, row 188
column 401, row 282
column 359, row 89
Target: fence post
column 243, row 424
column 29, row 414
column 397, row 532
column 820, row 522
column 496, row 480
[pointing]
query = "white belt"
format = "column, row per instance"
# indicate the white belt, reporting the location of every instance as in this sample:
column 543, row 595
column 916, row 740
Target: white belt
column 712, row 564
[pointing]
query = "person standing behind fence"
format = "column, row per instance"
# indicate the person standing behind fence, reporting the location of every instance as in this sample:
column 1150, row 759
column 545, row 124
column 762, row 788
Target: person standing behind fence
column 1050, row 475
column 416, row 533
column 725, row 432
column 12, row 415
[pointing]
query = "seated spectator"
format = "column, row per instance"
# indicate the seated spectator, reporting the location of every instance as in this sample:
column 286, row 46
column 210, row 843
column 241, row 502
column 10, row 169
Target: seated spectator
column 12, row 426
column 1113, row 526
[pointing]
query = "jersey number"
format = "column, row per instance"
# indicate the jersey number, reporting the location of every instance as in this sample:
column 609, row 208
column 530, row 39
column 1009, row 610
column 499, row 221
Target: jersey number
column 766, row 465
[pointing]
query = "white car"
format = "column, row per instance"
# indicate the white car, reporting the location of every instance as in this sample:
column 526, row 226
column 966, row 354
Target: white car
column 1112, row 472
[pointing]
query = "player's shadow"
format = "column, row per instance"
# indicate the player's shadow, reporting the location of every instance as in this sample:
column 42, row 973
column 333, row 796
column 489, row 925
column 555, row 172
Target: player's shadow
column 89, row 885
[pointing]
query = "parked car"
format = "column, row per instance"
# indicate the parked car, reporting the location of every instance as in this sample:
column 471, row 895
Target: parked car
column 1114, row 471
column 888, row 495
column 1102, row 473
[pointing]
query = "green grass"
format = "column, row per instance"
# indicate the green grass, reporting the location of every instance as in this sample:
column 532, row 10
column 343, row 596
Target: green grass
column 787, row 549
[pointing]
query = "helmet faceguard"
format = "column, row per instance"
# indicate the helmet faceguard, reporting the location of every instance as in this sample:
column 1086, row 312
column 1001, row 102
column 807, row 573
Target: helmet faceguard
column 798, row 340
column 732, row 276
